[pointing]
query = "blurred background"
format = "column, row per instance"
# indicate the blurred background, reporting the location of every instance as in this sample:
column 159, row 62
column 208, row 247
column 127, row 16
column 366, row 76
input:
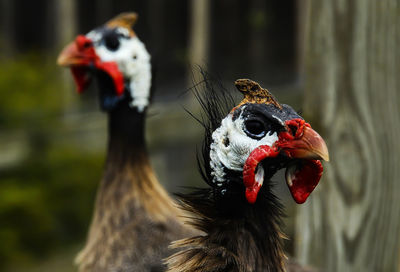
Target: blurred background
column 52, row 141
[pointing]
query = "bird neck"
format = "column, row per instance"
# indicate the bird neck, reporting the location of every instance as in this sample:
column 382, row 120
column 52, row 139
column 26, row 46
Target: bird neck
column 126, row 129
column 129, row 182
column 129, row 195
column 238, row 236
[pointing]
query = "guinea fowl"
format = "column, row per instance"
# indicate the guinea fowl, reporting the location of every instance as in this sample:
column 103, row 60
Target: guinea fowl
column 243, row 148
column 134, row 218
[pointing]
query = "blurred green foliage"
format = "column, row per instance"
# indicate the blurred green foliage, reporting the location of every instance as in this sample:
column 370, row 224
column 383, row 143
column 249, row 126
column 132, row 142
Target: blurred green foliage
column 47, row 198
column 29, row 91
column 46, row 203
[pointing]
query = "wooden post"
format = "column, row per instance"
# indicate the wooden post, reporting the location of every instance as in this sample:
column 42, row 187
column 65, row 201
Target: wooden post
column 352, row 221
column 66, row 24
column 66, row 30
column 199, row 36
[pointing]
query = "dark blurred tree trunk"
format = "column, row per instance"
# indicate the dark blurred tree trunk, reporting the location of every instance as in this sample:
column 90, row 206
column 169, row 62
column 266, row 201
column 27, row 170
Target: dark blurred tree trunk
column 154, row 18
column 104, row 11
column 7, row 27
column 301, row 18
column 352, row 221
column 258, row 45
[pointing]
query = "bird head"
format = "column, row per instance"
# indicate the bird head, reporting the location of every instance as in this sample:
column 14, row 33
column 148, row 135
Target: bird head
column 115, row 55
column 260, row 136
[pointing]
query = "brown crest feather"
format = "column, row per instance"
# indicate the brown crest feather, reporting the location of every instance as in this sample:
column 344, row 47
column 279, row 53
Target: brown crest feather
column 126, row 20
column 254, row 93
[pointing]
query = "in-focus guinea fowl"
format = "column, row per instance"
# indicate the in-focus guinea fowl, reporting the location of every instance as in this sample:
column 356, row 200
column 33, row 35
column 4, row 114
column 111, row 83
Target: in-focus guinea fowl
column 244, row 147
column 134, row 218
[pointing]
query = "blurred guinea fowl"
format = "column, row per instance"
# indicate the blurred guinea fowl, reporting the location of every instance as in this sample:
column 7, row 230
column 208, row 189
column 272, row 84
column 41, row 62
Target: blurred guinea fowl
column 239, row 214
column 134, row 218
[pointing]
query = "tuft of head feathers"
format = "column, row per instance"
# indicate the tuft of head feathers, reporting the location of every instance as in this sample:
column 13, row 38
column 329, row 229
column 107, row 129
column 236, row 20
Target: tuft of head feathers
column 216, row 102
column 126, row 20
column 254, row 93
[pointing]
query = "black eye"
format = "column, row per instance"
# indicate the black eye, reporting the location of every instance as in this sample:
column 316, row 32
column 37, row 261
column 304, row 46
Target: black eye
column 111, row 41
column 255, row 128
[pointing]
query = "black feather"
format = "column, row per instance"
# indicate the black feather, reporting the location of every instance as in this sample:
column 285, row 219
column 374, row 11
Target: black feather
column 216, row 102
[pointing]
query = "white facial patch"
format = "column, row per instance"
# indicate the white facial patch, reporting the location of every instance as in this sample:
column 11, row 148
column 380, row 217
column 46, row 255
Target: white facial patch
column 94, row 36
column 133, row 61
column 232, row 146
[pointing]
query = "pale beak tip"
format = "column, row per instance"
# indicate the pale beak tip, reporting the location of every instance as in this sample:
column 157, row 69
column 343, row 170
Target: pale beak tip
column 325, row 152
column 60, row 61
column 64, row 59
column 314, row 145
column 69, row 55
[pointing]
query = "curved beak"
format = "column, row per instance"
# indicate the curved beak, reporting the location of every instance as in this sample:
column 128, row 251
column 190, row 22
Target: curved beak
column 309, row 146
column 70, row 55
column 79, row 55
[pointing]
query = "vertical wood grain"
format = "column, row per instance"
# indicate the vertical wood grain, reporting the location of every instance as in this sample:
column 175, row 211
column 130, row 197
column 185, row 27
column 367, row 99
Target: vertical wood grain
column 352, row 221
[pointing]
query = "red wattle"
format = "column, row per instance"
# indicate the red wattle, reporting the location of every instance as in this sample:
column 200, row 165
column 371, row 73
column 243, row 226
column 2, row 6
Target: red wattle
column 252, row 192
column 249, row 169
column 111, row 68
column 305, row 180
column 81, row 77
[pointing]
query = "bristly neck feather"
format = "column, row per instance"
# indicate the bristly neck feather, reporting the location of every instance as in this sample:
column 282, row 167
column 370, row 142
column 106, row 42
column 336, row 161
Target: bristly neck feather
column 238, row 236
